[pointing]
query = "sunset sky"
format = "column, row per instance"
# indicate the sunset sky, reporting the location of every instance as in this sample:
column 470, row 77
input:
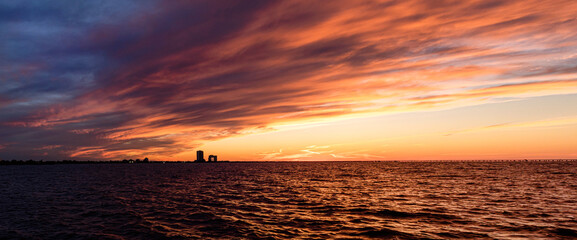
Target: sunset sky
column 288, row 80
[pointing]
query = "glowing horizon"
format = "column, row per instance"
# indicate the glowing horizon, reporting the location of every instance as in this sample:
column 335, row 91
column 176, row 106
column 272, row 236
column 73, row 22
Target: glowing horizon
column 288, row 80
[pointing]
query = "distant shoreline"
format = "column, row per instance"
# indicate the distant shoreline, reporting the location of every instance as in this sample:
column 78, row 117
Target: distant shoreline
column 63, row 162
column 42, row 162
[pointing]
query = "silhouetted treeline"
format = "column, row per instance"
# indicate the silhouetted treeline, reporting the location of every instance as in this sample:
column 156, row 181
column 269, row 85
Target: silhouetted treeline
column 42, row 162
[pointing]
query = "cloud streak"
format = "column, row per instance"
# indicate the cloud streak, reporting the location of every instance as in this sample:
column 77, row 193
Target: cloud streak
column 161, row 78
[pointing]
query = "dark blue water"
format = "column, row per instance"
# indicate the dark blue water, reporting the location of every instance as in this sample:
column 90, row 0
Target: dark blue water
column 312, row 200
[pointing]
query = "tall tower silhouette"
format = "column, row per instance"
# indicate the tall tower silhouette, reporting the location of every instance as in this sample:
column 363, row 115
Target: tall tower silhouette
column 200, row 156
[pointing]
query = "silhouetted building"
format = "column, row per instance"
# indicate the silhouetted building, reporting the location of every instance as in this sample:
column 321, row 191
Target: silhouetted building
column 212, row 158
column 200, row 156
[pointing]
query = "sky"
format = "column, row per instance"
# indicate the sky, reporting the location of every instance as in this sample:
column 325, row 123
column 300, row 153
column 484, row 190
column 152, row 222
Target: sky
column 288, row 80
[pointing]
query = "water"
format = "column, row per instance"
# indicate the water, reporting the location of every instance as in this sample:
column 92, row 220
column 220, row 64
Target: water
column 307, row 200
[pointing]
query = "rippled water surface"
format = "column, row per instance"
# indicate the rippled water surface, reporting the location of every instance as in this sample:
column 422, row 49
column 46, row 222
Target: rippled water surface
column 307, row 200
